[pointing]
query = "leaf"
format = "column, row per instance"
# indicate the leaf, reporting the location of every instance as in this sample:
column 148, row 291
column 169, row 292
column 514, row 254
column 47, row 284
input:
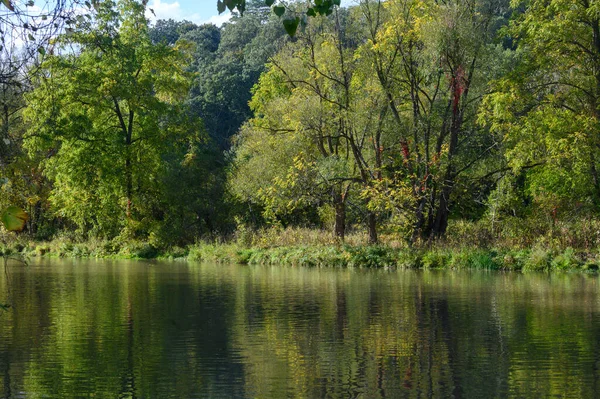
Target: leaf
column 8, row 4
column 221, row 7
column 269, row 2
column 41, row 50
column 291, row 25
column 279, row 11
column 311, row 12
column 14, row 218
column 231, row 4
column 337, row 2
column 30, row 37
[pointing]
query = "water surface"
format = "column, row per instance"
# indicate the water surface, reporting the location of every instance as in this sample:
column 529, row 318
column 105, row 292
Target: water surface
column 160, row 330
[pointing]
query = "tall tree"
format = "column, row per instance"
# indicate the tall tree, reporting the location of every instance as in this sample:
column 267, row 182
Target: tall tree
column 227, row 74
column 317, row 97
column 105, row 111
column 548, row 108
column 430, row 60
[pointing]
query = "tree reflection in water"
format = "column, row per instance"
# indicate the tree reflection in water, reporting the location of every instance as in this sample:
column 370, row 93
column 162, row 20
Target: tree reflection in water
column 134, row 329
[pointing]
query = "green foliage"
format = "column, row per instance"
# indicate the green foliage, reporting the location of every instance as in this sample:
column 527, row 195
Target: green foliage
column 371, row 257
column 539, row 259
column 546, row 108
column 220, row 253
column 567, row 260
column 468, row 258
column 111, row 118
column 429, row 123
column 313, row 8
column 435, row 259
column 228, row 63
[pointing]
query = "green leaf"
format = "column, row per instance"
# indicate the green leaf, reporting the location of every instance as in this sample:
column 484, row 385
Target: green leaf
column 30, row 37
column 291, row 25
column 14, row 218
column 311, row 12
column 231, row 4
column 337, row 2
column 221, row 6
column 269, row 2
column 279, row 11
column 41, row 50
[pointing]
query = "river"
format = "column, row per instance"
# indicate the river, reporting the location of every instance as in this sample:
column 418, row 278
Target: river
column 134, row 329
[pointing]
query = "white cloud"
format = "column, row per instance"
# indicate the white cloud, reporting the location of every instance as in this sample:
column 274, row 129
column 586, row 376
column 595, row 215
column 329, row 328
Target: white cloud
column 219, row 19
column 166, row 10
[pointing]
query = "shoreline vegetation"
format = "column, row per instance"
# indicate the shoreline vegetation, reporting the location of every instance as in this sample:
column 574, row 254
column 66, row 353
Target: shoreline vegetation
column 473, row 249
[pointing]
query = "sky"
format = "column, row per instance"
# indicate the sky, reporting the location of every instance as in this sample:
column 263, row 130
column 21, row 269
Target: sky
column 197, row 11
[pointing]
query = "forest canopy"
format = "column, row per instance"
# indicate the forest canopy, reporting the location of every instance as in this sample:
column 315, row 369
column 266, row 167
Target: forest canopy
column 402, row 118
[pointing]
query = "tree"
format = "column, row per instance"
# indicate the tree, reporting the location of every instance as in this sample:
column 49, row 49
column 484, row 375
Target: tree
column 317, row 108
column 226, row 74
column 25, row 31
column 547, row 108
column 106, row 109
column 429, row 60
column 21, row 183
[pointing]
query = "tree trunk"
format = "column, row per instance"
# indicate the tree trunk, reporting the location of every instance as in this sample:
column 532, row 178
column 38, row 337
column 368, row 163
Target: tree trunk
column 441, row 218
column 372, row 225
column 595, row 179
column 128, row 166
column 339, row 228
column 128, row 183
column 420, row 221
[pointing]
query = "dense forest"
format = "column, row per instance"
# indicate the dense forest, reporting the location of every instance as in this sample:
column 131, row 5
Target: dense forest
column 406, row 121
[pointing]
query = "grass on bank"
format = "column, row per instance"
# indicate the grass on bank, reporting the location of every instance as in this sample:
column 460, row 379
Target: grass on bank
column 469, row 247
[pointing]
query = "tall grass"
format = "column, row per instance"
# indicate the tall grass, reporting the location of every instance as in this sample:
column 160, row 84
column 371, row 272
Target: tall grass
column 467, row 246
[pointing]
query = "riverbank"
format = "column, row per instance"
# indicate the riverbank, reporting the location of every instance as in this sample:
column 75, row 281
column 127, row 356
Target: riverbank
column 536, row 259
column 325, row 255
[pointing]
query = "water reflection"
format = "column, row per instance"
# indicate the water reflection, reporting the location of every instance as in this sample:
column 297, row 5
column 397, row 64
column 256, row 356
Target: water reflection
column 135, row 329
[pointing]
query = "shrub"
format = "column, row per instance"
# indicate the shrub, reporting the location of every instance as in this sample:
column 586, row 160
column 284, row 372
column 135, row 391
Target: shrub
column 435, row 259
column 566, row 260
column 539, row 260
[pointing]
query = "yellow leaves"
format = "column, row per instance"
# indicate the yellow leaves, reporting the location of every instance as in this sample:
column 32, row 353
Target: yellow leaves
column 389, row 195
column 107, row 85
